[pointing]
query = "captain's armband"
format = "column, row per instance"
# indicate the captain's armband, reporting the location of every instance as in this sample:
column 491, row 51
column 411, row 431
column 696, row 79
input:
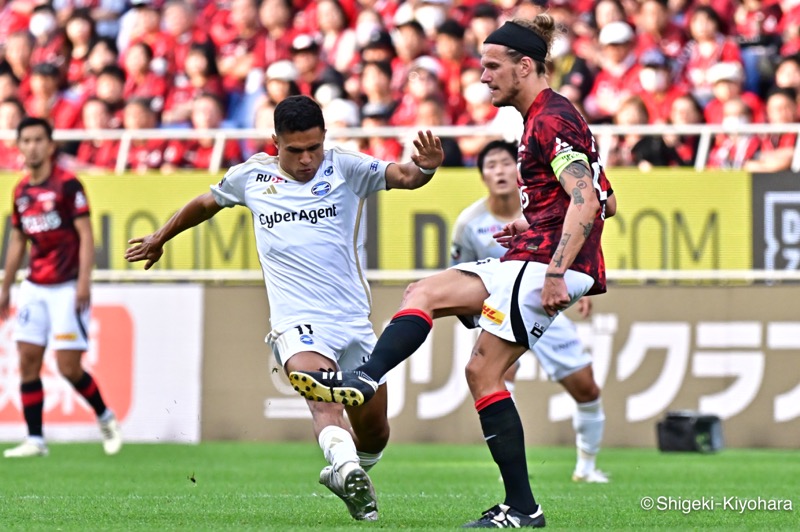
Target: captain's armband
column 562, row 160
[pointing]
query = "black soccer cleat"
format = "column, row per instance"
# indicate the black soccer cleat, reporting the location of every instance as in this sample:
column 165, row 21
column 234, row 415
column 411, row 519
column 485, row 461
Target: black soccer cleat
column 503, row 516
column 350, row 388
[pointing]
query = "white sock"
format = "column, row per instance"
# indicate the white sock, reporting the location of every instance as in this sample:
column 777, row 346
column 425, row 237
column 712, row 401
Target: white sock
column 38, row 440
column 338, row 446
column 105, row 416
column 588, row 422
column 368, row 460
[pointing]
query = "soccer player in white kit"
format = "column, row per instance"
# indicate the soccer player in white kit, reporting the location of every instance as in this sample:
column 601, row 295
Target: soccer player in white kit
column 308, row 206
column 559, row 351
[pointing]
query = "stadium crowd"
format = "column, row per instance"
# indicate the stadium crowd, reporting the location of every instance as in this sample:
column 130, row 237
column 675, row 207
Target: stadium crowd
column 205, row 64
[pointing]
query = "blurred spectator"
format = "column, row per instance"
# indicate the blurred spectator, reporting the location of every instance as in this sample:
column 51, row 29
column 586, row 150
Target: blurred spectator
column 453, row 58
column 338, row 44
column 9, row 84
column 790, row 27
column 642, row 151
column 312, row 70
column 264, row 122
column 340, row 113
column 658, row 91
column 14, row 17
column 376, row 115
column 146, row 28
column 608, row 11
column 757, row 31
column 570, row 75
column 199, row 75
column 410, row 43
column 105, row 13
column 236, row 57
column 207, row 114
column 777, row 150
column 378, row 47
column 45, row 100
column 376, row 84
column 708, row 47
column 18, row 50
column 111, row 89
column 656, row 30
column 178, row 22
column 140, row 80
column 685, row 111
column 787, row 73
column 726, row 84
column 144, row 154
column 619, row 72
column 423, row 83
column 483, row 22
column 50, row 45
column 430, row 115
column 732, row 150
column 479, row 112
column 280, row 82
column 80, row 31
column 276, row 19
column 95, row 152
column 11, row 114
column 430, row 14
column 102, row 53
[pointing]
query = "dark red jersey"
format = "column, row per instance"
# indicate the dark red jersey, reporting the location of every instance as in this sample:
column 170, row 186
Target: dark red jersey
column 555, row 134
column 45, row 213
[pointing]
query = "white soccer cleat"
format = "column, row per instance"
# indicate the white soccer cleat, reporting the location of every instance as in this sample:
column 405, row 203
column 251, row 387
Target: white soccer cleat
column 355, row 490
column 27, row 449
column 112, row 435
column 595, row 476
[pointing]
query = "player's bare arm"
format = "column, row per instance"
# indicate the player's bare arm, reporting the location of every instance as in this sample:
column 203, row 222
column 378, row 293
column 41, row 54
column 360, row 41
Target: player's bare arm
column 424, row 163
column 576, row 179
column 15, row 252
column 83, row 226
column 151, row 247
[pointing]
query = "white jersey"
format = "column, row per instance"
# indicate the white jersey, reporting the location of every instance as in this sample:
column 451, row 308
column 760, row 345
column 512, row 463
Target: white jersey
column 472, row 234
column 310, row 236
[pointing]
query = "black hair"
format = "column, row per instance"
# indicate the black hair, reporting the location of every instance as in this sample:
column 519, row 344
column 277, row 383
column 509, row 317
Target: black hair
column 33, row 121
column 383, row 66
column 298, row 113
column 788, row 92
column 113, row 71
column 11, row 100
column 148, row 50
column 95, row 99
column 206, row 49
column 510, row 147
column 711, row 14
column 109, row 43
column 5, row 70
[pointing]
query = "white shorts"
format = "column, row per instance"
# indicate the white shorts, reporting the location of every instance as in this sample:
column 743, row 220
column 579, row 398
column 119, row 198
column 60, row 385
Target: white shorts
column 349, row 344
column 46, row 316
column 513, row 311
column 560, row 351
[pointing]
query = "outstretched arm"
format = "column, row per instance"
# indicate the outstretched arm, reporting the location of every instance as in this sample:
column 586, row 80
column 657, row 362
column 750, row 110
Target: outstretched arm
column 576, row 179
column 151, row 247
column 429, row 157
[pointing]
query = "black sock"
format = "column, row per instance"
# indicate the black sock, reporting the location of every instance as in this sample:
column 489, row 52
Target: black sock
column 502, row 429
column 404, row 334
column 32, row 405
column 87, row 387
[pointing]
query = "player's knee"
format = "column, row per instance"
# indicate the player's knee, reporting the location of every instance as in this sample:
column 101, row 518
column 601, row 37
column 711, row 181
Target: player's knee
column 374, row 436
column 419, row 294
column 71, row 371
column 586, row 392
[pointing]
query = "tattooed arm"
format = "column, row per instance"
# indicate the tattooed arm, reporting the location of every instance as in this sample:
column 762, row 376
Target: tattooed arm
column 576, row 179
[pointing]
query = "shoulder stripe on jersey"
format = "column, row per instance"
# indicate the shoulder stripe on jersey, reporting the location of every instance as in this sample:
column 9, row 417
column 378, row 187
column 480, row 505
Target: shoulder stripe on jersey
column 517, row 323
column 562, row 160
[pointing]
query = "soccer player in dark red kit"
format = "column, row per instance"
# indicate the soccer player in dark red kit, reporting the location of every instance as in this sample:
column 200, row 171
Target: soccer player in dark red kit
column 554, row 258
column 52, row 212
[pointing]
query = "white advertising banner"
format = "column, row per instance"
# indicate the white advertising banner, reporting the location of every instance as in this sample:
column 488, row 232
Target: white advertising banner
column 145, row 353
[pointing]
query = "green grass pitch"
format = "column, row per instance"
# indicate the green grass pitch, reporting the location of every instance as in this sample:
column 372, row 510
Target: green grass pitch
column 260, row 486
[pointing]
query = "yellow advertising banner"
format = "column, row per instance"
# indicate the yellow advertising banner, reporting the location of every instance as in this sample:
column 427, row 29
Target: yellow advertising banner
column 128, row 206
column 666, row 219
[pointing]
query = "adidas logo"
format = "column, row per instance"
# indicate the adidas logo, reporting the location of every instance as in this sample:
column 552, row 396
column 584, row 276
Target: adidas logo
column 271, row 190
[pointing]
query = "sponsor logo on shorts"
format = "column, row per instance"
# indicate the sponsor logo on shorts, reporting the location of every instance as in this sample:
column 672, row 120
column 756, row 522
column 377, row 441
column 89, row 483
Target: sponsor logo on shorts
column 538, row 330
column 492, row 314
column 66, row 336
column 306, row 339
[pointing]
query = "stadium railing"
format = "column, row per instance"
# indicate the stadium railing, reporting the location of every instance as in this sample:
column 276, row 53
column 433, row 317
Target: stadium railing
column 603, row 133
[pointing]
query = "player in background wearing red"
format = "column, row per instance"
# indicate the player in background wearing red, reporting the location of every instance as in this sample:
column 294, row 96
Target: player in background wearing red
column 52, row 212
column 554, row 259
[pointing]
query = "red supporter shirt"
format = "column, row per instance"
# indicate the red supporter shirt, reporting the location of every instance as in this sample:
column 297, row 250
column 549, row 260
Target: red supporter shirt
column 268, row 50
column 725, row 51
column 53, row 51
column 757, row 24
column 191, row 154
column 152, row 86
column 162, row 44
column 714, row 112
column 660, row 106
column 64, row 114
column 670, row 43
column 609, row 91
column 238, row 48
column 778, row 141
column 183, row 92
column 102, row 153
column 553, row 128
column 733, row 152
column 146, row 155
column 388, row 150
column 45, row 213
column 182, row 44
column 10, row 157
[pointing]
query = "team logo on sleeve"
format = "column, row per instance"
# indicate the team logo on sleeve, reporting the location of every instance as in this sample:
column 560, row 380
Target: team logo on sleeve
column 374, row 166
column 329, row 171
column 322, row 188
column 80, row 200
